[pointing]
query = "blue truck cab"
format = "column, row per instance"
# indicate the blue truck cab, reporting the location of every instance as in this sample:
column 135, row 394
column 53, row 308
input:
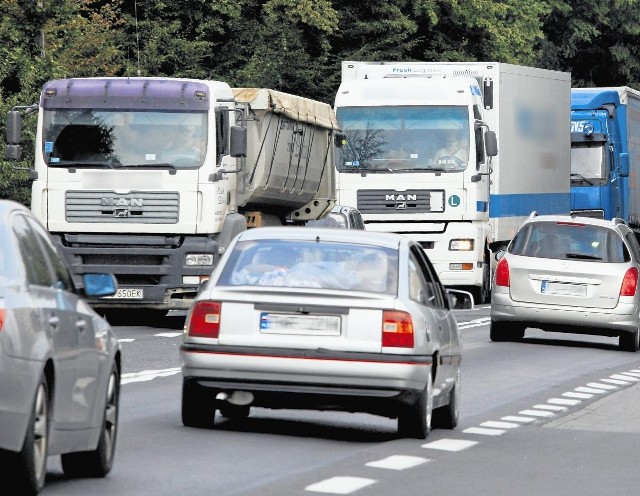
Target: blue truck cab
column 605, row 153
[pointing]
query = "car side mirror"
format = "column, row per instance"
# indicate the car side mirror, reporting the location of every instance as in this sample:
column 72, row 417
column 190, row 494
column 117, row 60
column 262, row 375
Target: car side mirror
column 100, row 284
column 460, row 300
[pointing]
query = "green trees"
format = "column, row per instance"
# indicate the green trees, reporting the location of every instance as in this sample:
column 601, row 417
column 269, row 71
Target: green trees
column 297, row 46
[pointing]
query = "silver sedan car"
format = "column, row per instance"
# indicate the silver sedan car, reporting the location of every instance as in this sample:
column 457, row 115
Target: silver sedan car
column 569, row 274
column 59, row 361
column 324, row 319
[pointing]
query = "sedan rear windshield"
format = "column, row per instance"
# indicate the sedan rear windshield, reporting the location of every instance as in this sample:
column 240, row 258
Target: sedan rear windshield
column 308, row 264
column 570, row 241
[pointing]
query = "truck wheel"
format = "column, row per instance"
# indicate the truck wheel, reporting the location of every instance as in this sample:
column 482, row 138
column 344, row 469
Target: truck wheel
column 198, row 405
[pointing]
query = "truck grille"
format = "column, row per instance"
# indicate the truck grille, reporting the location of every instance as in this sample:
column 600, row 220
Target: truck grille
column 385, row 201
column 136, row 207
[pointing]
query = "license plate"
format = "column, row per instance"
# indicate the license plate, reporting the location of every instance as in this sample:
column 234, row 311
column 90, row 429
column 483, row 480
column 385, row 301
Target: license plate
column 128, row 294
column 316, row 325
column 562, row 288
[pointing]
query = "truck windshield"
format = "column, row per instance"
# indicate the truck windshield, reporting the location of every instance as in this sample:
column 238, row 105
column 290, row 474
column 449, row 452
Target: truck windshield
column 105, row 138
column 404, row 138
column 588, row 163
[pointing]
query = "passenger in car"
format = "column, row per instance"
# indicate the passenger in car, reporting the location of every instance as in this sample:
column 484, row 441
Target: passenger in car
column 267, row 268
column 373, row 273
column 551, row 247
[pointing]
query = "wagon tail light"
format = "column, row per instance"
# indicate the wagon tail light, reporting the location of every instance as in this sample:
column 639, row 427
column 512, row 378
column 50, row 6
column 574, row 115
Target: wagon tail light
column 204, row 320
column 502, row 273
column 629, row 283
column 397, row 329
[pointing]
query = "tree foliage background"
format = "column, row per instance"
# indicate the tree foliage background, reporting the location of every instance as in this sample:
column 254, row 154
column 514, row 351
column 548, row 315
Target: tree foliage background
column 297, row 46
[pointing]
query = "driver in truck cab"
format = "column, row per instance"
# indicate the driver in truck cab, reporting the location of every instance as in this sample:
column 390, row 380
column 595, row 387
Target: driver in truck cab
column 454, row 146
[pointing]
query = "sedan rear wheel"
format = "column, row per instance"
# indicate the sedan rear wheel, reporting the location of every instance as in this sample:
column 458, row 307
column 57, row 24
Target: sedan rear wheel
column 630, row 341
column 198, row 405
column 415, row 420
column 446, row 417
column 28, row 466
column 98, row 462
column 235, row 411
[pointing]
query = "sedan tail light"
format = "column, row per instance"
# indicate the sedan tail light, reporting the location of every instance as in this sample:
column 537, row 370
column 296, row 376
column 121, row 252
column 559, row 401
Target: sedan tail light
column 204, row 320
column 2, row 313
column 397, row 329
column 629, row 283
column 502, row 273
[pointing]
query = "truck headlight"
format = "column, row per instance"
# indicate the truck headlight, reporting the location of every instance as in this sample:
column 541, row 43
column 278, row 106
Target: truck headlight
column 199, row 259
column 461, row 245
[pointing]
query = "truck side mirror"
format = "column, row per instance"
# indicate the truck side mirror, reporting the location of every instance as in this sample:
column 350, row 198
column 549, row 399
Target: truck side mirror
column 491, row 143
column 238, row 146
column 624, row 164
column 14, row 135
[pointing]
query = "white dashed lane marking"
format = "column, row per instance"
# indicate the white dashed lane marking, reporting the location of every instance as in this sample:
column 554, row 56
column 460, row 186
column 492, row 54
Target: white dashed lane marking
column 584, row 389
column 537, row 413
column 499, row 425
column 514, row 418
column 450, row 444
column 554, row 408
column 398, row 462
column 340, row 485
column 601, row 386
column 563, row 401
column 483, row 431
column 615, row 381
column 572, row 394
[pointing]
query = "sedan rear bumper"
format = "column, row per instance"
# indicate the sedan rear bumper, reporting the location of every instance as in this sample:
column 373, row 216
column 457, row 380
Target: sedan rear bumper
column 314, row 379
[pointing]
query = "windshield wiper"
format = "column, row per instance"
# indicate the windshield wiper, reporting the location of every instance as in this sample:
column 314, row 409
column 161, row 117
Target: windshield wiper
column 163, row 165
column 581, row 177
column 83, row 165
column 583, row 256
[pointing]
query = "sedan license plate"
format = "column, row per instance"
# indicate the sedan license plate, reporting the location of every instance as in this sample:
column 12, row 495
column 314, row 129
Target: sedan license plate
column 315, row 325
column 128, row 294
column 563, row 288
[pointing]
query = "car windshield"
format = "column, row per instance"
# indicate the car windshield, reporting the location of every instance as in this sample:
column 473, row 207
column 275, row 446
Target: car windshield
column 308, row 264
column 569, row 240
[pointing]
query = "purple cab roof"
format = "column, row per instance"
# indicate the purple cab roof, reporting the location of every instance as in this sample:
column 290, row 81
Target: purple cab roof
column 125, row 93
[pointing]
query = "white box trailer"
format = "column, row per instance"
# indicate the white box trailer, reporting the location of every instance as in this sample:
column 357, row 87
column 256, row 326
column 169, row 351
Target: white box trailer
column 396, row 115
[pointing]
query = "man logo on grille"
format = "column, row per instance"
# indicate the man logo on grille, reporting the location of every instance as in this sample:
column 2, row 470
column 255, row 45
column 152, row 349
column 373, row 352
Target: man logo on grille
column 401, row 206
